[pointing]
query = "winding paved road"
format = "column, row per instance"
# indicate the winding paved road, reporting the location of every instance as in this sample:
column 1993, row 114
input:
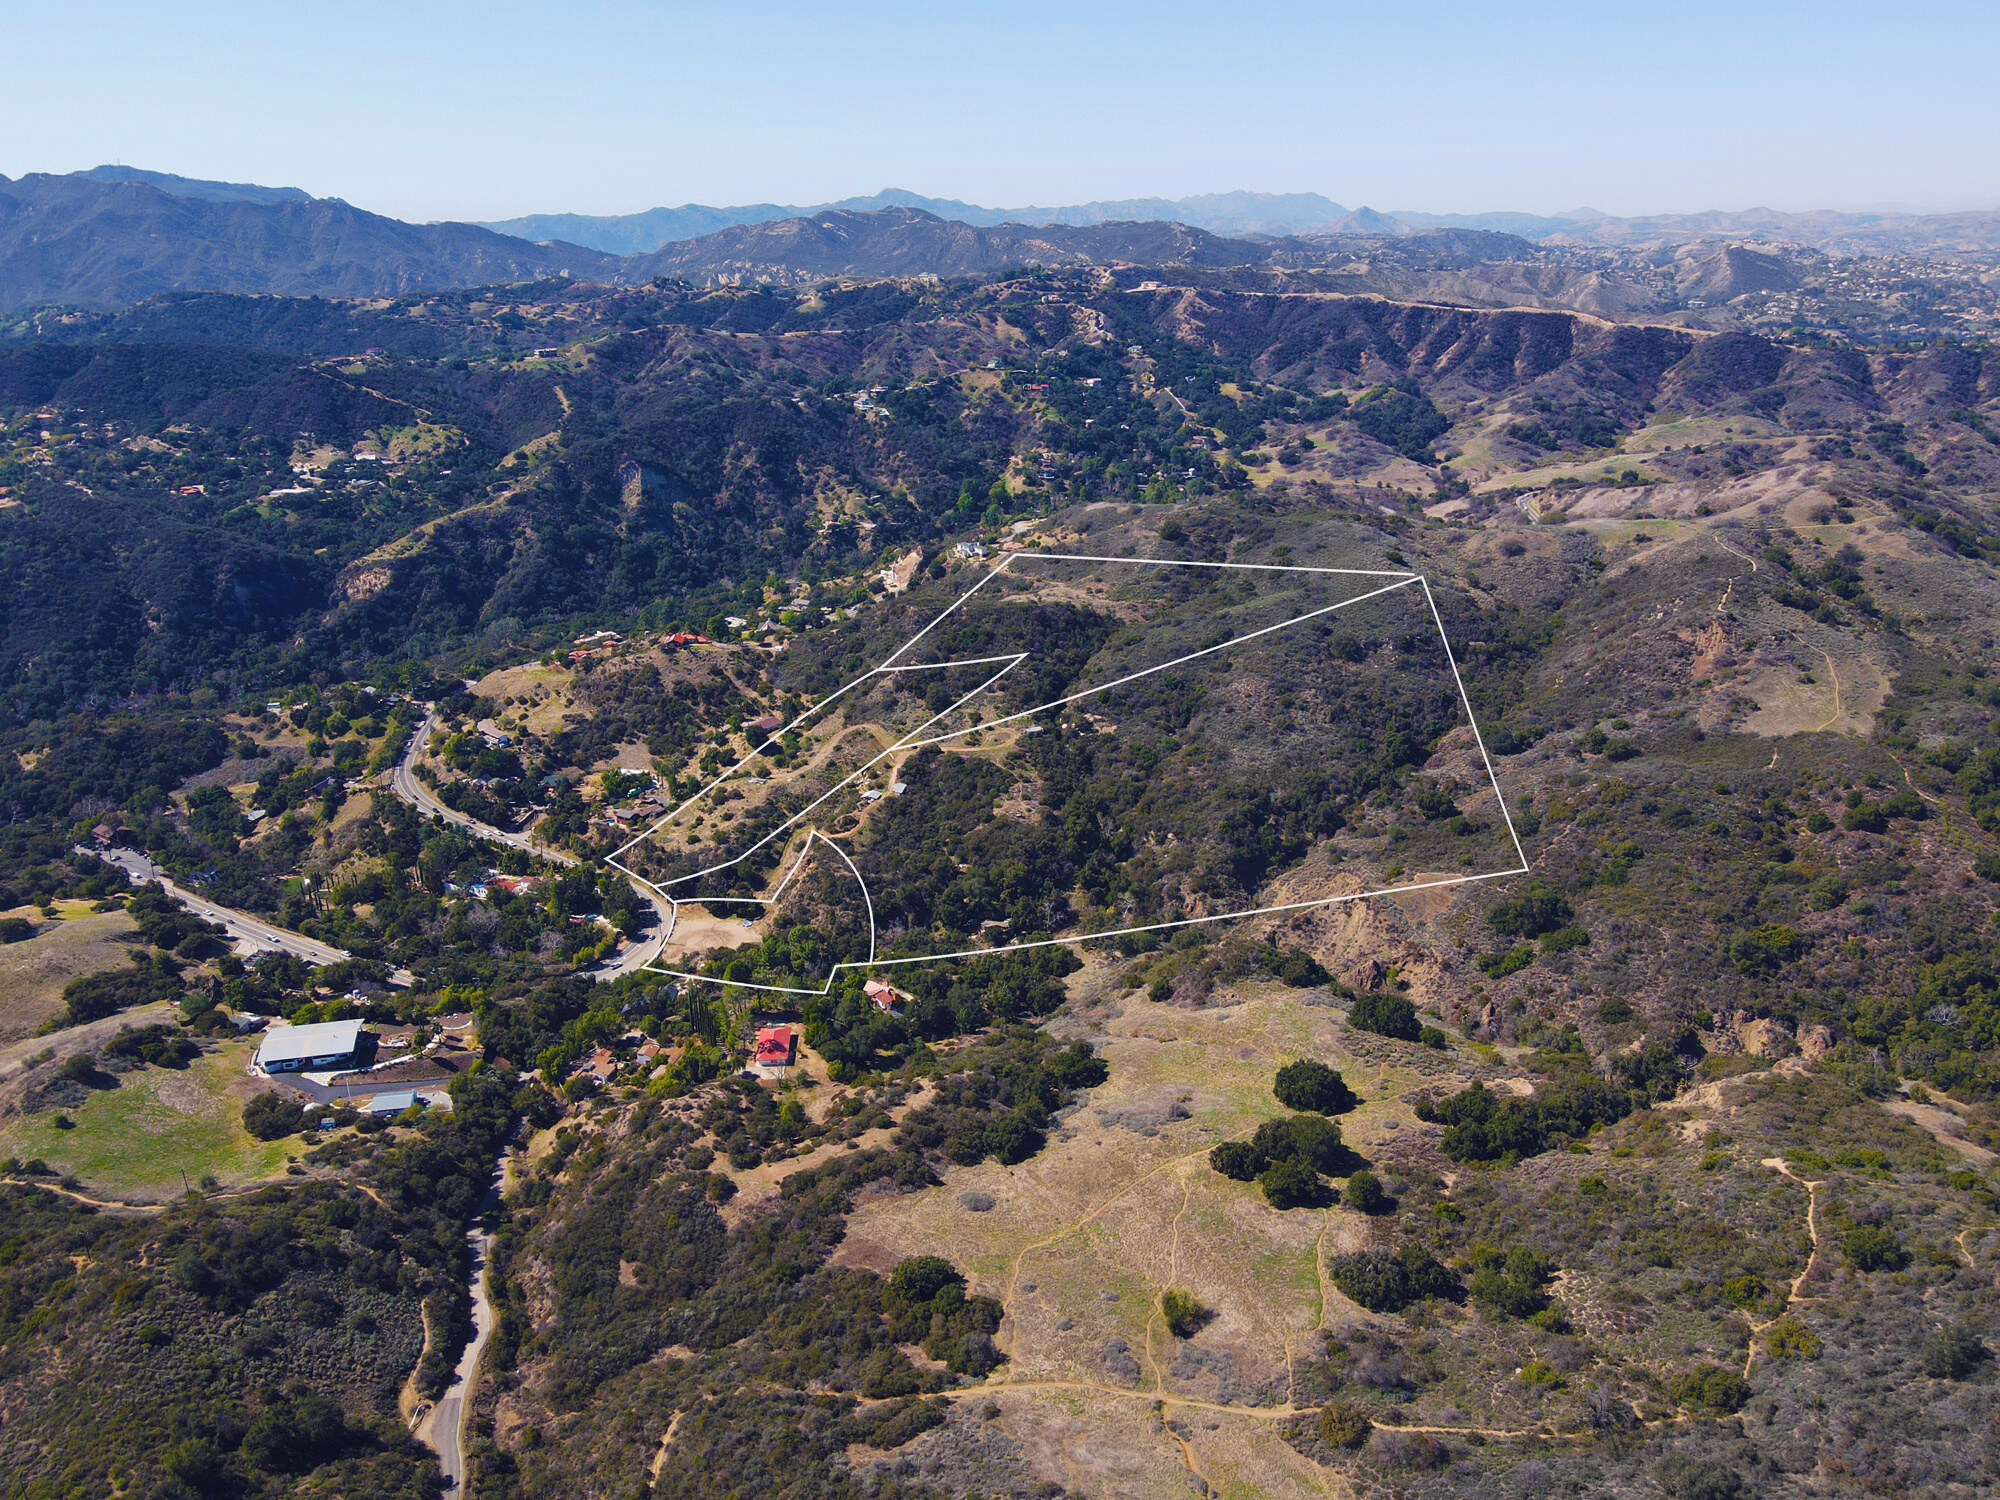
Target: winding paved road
column 405, row 784
column 259, row 934
column 444, row 1427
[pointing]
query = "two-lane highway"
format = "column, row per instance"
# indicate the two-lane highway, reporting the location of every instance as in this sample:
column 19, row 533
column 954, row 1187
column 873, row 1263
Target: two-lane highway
column 255, row 931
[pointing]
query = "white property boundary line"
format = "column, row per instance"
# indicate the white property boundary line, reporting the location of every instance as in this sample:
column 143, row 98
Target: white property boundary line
column 912, row 741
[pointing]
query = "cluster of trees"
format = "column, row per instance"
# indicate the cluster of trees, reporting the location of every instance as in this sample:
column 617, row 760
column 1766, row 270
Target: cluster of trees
column 1483, row 1126
column 1387, row 1281
column 1286, row 1157
column 996, row 1099
column 1392, row 1015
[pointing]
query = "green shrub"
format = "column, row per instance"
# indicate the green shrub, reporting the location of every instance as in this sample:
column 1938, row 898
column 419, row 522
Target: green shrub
column 272, row 1116
column 1615, row 1012
column 1484, row 1126
column 1388, row 1281
column 1289, row 1183
column 1511, row 1284
column 1565, row 938
column 1765, row 949
column 196, row 1463
column 1297, row 969
column 1954, row 1353
column 95, row 996
column 1904, row 803
column 1385, row 1015
column 1507, row 961
column 1746, row 1290
column 1711, row 1388
column 1537, row 910
column 1342, row 1424
column 1788, row 1338
column 889, row 1374
column 1365, row 1192
column 78, row 1068
column 1873, row 1248
column 159, row 1046
column 1684, row 1477
column 1236, row 1160
column 922, row 1277
column 1311, row 1140
column 1309, row 1084
column 1184, row 1314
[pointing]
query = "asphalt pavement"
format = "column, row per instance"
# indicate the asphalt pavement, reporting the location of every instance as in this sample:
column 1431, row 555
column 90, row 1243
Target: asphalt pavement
column 444, row 1428
column 260, row 935
column 404, row 783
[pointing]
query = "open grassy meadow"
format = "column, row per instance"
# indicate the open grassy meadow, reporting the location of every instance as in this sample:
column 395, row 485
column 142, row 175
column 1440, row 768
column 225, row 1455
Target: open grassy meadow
column 33, row 972
column 134, row 1140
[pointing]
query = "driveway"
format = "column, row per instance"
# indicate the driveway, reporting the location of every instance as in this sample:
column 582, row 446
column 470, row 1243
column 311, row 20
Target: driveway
column 444, row 1427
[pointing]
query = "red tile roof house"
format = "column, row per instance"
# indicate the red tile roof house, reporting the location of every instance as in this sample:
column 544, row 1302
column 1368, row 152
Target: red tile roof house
column 886, row 996
column 600, row 1067
column 777, row 1046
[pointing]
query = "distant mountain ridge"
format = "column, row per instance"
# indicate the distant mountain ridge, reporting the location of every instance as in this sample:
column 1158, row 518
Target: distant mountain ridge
column 115, row 235
column 1218, row 213
column 195, row 187
column 902, row 241
column 89, row 241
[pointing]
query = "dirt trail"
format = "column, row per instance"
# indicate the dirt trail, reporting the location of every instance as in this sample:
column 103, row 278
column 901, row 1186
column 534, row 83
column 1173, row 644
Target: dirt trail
column 110, row 1203
column 1832, row 672
column 1156, row 1316
column 666, row 1441
column 1934, row 801
column 1262, row 1413
column 1723, row 603
column 1792, row 1296
column 1014, row 1276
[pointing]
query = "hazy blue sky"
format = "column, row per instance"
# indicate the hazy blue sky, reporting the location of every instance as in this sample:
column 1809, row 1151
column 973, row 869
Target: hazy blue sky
column 454, row 110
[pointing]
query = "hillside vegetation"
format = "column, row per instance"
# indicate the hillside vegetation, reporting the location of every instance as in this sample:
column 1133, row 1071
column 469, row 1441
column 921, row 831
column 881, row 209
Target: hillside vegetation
column 1664, row 1165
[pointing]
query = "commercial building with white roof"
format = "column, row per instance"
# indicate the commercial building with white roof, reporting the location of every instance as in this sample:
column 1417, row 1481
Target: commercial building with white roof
column 299, row 1049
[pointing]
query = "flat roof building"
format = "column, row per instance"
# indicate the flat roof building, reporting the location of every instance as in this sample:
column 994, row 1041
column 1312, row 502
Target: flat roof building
column 298, row 1049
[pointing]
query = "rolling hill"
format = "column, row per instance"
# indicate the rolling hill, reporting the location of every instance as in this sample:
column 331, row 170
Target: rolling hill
column 88, row 242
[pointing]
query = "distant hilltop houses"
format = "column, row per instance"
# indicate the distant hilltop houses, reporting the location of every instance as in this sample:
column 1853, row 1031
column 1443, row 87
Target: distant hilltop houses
column 604, row 642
